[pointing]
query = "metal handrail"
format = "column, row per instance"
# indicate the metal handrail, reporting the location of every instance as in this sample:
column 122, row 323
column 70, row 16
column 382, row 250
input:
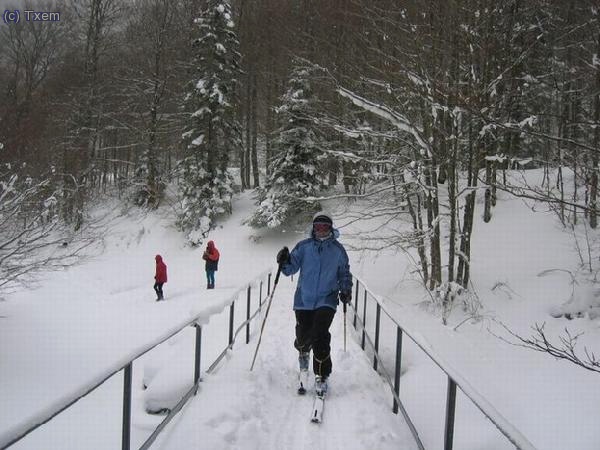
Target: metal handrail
column 19, row 431
column 381, row 368
column 216, row 362
column 455, row 379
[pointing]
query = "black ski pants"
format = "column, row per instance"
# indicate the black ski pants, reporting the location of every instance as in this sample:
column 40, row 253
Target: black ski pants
column 158, row 289
column 312, row 332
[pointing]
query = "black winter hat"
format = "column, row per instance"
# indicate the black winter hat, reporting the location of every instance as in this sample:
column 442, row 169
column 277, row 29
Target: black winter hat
column 322, row 218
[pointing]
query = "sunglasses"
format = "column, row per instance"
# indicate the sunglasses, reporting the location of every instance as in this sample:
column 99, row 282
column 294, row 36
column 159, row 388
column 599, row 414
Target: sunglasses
column 321, row 227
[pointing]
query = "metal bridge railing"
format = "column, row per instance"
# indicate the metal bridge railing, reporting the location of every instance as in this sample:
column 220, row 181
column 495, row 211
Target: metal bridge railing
column 360, row 324
column 21, row 430
column 455, row 379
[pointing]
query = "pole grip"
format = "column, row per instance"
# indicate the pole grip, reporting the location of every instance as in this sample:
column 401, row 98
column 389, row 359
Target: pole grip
column 277, row 276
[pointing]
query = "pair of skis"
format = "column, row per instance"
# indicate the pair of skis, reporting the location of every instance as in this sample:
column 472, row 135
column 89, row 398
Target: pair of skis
column 316, row 415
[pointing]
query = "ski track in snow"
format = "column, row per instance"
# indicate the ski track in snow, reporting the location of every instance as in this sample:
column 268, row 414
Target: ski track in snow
column 261, row 409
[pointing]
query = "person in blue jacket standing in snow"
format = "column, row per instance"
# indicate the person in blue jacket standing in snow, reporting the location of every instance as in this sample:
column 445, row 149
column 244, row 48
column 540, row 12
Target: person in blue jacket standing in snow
column 324, row 280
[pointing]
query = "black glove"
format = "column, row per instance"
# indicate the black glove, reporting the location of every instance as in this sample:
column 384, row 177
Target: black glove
column 283, row 256
column 345, row 297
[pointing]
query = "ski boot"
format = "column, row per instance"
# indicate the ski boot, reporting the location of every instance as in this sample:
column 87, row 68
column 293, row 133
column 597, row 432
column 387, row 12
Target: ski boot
column 320, row 386
column 303, row 359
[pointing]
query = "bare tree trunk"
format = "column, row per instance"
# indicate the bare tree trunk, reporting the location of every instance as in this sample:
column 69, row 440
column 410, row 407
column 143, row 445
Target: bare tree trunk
column 158, row 85
column 560, row 185
column 246, row 147
column 255, row 172
column 268, row 129
column 494, row 196
column 596, row 141
column 487, row 204
column 575, row 119
column 421, row 242
column 415, row 215
column 82, row 162
column 452, row 188
column 333, row 167
column 464, row 260
column 434, row 225
column 242, row 158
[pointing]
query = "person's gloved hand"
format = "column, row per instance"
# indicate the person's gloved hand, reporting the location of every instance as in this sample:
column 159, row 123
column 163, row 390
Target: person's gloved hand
column 283, row 256
column 345, row 297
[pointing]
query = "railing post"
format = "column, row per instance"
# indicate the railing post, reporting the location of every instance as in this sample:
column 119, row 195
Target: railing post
column 356, row 303
column 198, row 354
column 248, row 316
column 450, row 410
column 269, row 284
column 231, row 314
column 126, row 430
column 398, row 367
column 260, row 294
column 362, row 343
column 377, row 326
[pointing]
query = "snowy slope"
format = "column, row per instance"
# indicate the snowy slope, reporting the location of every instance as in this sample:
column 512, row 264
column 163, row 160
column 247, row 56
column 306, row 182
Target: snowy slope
column 554, row 403
column 83, row 323
column 80, row 322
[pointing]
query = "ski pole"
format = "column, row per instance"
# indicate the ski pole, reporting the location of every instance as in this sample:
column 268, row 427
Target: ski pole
column 262, row 327
column 344, row 327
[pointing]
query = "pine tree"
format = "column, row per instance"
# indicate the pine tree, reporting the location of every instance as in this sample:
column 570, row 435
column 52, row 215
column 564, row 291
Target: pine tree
column 293, row 178
column 212, row 132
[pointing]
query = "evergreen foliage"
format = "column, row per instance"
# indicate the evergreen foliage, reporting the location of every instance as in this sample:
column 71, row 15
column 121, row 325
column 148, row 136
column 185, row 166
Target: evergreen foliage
column 293, row 179
column 212, row 132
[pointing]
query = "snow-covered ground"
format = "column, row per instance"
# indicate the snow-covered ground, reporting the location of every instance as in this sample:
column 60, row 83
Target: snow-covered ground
column 80, row 323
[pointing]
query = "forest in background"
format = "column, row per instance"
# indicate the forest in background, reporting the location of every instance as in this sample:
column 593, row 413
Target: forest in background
column 417, row 105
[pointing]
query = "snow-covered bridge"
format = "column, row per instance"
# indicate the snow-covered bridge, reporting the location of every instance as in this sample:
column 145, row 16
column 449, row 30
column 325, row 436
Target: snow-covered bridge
column 233, row 406
column 237, row 408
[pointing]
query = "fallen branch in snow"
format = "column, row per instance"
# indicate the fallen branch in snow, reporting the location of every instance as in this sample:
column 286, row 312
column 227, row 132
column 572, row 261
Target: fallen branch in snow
column 566, row 348
column 505, row 289
column 574, row 282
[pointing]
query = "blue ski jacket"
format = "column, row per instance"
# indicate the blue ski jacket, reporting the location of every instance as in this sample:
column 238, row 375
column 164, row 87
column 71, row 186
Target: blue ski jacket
column 324, row 271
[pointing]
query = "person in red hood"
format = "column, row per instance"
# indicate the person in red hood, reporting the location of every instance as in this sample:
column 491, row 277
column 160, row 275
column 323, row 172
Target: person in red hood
column 211, row 256
column 160, row 277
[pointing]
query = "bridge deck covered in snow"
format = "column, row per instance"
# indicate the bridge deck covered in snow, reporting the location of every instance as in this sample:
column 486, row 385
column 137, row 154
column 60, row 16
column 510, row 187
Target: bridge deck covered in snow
column 237, row 408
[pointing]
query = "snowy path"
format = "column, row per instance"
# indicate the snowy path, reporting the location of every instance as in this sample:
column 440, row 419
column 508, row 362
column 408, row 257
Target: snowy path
column 239, row 409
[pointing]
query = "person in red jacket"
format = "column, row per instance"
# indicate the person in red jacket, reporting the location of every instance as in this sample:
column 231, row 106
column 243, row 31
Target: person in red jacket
column 211, row 256
column 160, row 277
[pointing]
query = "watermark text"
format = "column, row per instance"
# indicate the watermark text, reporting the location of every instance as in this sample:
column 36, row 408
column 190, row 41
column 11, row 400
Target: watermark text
column 29, row 15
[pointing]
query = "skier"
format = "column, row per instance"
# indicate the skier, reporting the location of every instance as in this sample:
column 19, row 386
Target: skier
column 324, row 277
column 211, row 256
column 160, row 277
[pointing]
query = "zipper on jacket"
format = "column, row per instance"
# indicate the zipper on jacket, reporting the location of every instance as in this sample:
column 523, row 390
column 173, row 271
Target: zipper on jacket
column 319, row 254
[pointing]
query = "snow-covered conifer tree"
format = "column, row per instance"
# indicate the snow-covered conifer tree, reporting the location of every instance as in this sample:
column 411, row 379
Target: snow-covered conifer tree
column 293, row 178
column 212, row 132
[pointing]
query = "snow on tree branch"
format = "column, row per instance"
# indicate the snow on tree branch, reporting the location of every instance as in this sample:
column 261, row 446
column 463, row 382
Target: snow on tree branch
column 395, row 118
column 32, row 238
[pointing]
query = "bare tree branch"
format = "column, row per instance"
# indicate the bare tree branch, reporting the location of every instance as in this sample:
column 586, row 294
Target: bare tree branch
column 566, row 348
